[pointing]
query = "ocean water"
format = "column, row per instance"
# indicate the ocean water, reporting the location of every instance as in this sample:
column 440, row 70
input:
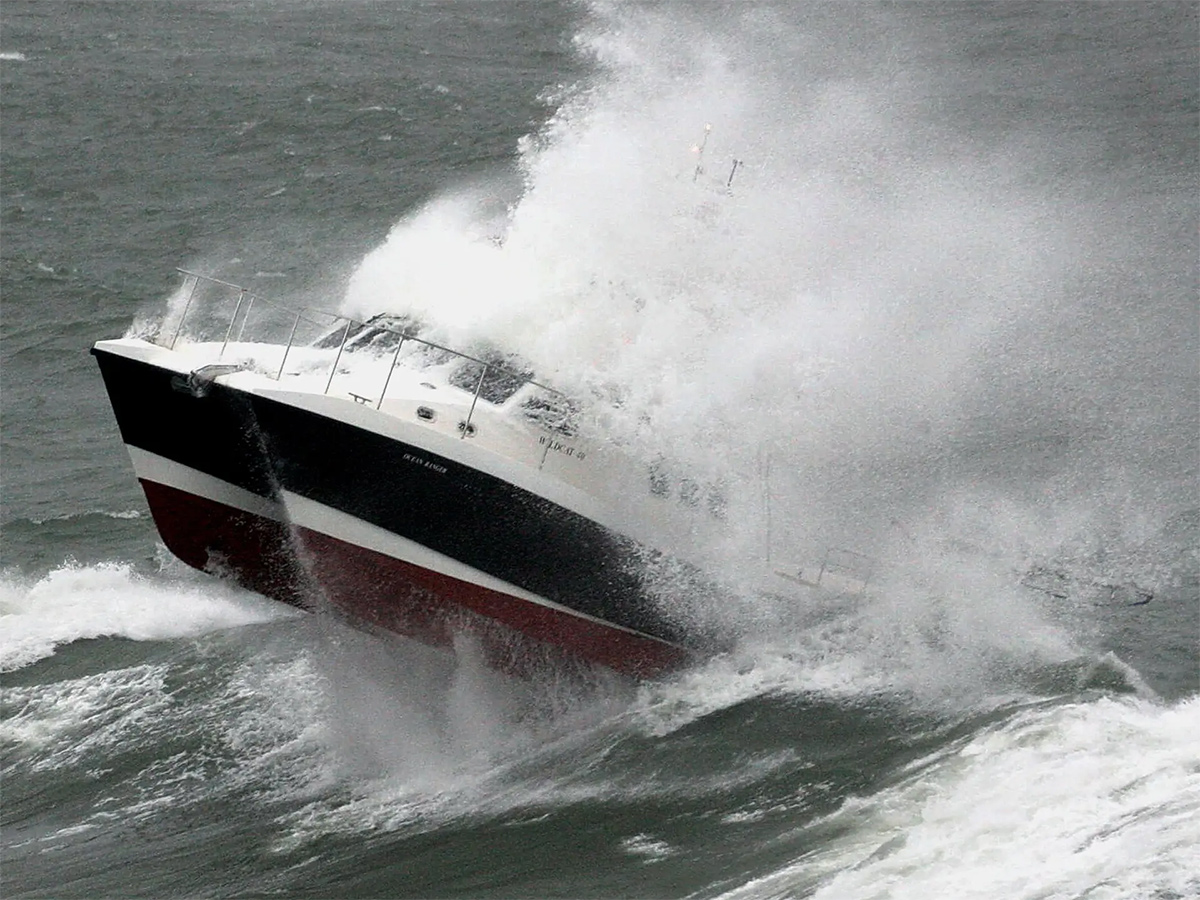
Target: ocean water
column 945, row 315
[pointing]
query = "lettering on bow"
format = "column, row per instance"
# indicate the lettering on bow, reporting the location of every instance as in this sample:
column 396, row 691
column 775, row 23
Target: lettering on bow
column 424, row 463
column 559, row 447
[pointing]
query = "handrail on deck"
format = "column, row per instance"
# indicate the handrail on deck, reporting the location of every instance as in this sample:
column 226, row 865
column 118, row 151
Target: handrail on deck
column 245, row 294
column 831, row 562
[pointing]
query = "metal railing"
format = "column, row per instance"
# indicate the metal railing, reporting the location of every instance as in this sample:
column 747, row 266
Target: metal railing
column 849, row 564
column 246, row 302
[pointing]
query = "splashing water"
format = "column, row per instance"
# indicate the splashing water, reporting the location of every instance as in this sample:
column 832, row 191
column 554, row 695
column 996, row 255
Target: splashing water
column 1092, row 799
column 885, row 311
column 877, row 302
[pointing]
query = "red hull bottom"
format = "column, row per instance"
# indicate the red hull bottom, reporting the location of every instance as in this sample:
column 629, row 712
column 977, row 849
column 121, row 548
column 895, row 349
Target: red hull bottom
column 253, row 550
column 298, row 565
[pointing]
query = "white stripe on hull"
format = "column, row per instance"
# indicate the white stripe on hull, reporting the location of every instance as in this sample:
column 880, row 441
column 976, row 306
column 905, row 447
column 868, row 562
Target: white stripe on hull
column 334, row 523
column 161, row 470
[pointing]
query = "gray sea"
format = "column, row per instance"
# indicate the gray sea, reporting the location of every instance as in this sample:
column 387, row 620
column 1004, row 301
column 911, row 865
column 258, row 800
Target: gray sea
column 943, row 310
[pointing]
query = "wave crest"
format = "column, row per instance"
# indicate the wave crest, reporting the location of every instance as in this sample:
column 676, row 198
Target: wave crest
column 75, row 602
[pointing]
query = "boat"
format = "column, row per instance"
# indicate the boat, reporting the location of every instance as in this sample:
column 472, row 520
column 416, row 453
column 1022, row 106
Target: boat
column 363, row 468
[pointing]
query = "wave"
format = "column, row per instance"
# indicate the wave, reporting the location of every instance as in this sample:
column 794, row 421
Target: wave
column 489, row 749
column 12, row 56
column 327, row 738
column 250, row 726
column 75, row 602
column 1096, row 799
column 105, row 513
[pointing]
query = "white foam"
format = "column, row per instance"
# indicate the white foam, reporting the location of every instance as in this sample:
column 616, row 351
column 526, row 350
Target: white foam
column 12, row 56
column 65, row 723
column 77, row 602
column 877, row 306
column 666, row 706
column 258, row 728
column 67, row 517
column 950, row 635
column 648, row 847
column 616, row 267
column 1093, row 799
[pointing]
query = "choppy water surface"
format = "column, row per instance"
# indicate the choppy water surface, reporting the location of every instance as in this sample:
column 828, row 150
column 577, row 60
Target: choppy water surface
column 947, row 317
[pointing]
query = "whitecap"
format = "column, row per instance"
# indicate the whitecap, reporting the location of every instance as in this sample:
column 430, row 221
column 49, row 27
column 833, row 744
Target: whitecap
column 77, row 602
column 108, row 514
column 650, row 848
column 1093, row 798
column 69, row 721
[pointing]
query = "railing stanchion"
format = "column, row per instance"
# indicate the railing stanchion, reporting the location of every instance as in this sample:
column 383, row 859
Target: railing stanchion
column 391, row 369
column 232, row 320
column 186, row 306
column 337, row 359
column 288, row 348
column 474, row 400
column 245, row 319
column 246, row 301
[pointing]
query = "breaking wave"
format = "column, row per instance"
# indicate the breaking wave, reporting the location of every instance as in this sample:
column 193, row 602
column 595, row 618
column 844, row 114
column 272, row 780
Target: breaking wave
column 75, row 602
column 1095, row 799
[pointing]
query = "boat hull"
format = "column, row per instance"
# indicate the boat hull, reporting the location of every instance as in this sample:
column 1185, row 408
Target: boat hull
column 429, row 497
column 254, row 550
column 201, row 467
column 429, row 605
column 320, row 513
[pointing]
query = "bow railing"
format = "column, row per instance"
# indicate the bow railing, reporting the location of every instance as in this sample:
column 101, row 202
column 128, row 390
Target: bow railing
column 205, row 316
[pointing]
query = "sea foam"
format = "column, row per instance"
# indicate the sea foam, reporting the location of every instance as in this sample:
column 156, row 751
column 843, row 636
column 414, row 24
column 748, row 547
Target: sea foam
column 1097, row 799
column 76, row 602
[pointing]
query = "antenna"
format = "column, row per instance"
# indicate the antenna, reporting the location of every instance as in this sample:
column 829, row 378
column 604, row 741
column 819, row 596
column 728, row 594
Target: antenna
column 737, row 164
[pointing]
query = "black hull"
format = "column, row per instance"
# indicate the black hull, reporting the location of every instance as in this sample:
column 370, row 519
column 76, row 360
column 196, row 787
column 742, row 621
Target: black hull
column 209, row 428
column 483, row 522
column 468, row 515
